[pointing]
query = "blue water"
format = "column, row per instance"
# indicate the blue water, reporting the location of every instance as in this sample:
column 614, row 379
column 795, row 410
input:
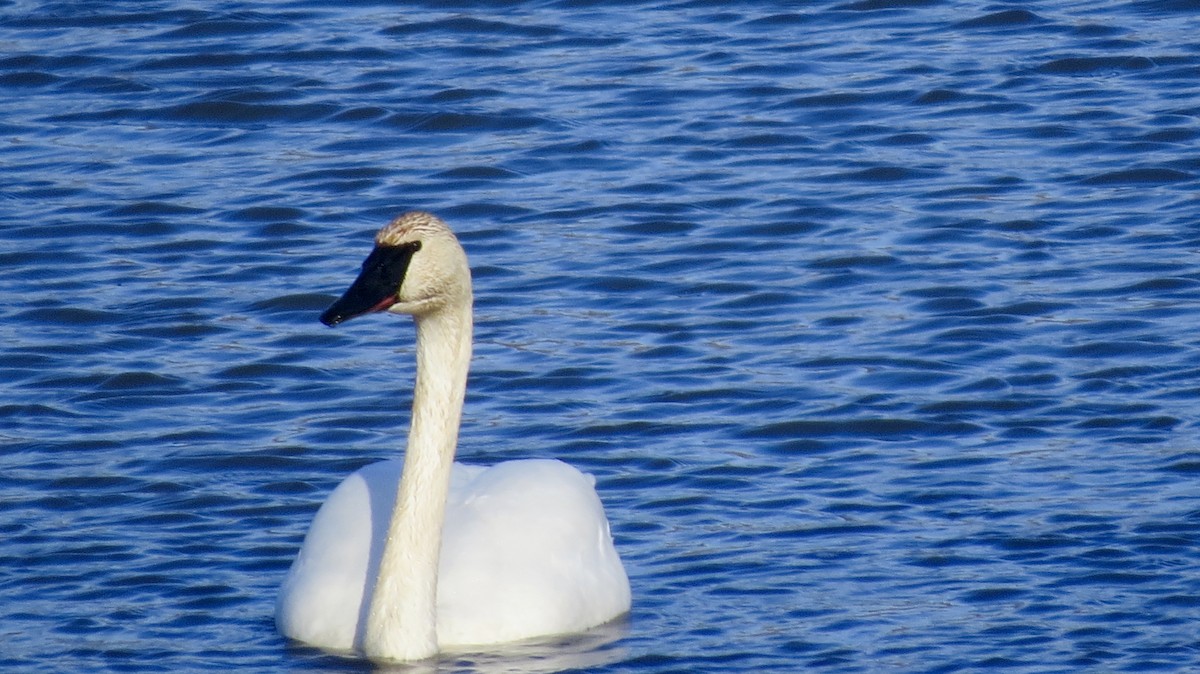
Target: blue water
column 877, row 321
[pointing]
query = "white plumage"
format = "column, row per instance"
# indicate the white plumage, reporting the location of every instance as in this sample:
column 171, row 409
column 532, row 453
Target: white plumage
column 526, row 552
column 410, row 557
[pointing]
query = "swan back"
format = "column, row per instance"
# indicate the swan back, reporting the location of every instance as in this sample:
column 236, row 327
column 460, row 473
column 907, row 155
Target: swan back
column 527, row 551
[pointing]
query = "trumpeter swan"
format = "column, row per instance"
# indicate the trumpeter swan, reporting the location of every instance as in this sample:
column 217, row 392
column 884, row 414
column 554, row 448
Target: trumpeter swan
column 410, row 557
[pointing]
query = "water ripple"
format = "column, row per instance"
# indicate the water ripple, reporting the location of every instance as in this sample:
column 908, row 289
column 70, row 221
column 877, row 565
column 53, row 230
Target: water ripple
column 871, row 318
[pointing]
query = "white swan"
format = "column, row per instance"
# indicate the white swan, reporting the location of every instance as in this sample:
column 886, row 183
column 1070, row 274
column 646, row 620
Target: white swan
column 407, row 558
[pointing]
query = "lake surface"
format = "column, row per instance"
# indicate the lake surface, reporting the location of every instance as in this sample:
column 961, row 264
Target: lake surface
column 878, row 322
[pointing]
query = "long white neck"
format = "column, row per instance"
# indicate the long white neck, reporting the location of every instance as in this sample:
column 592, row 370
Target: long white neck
column 402, row 619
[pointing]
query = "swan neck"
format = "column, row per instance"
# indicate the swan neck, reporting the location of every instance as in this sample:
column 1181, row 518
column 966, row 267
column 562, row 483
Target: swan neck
column 402, row 619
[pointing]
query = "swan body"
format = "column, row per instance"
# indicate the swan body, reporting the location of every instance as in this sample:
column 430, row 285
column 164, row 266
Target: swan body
column 538, row 523
column 410, row 557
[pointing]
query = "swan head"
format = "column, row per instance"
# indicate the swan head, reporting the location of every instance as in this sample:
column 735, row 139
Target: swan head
column 417, row 267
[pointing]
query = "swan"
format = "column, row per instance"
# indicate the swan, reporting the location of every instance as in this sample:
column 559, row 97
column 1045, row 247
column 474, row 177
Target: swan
column 407, row 558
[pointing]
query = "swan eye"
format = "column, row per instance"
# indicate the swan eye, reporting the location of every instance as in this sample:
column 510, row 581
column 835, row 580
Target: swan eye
column 387, row 265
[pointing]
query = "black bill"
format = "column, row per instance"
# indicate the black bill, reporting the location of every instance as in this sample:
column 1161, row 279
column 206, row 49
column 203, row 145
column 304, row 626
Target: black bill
column 377, row 286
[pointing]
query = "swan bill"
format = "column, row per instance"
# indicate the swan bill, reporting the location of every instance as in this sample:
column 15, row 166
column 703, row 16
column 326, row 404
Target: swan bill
column 377, row 286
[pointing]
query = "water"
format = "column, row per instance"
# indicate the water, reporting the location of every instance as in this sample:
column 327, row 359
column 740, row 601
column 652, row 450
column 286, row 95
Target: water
column 876, row 320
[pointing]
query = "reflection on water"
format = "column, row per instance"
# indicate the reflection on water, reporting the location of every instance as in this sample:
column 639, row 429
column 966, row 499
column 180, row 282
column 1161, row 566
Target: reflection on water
column 597, row 648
